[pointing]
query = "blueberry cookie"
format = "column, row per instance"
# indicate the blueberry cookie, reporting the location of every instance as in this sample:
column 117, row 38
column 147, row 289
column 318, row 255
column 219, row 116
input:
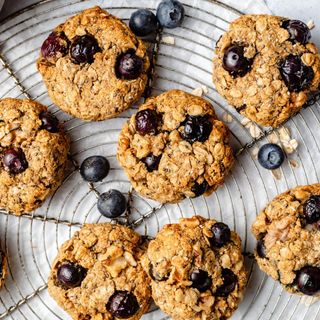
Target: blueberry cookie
column 33, row 154
column 175, row 147
column 288, row 234
column 3, row 267
column 93, row 65
column 196, row 270
column 98, row 274
column 266, row 68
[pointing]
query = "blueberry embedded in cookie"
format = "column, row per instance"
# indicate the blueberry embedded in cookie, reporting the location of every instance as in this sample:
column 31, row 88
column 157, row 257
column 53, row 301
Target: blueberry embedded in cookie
column 94, row 67
column 191, row 277
column 266, row 68
column 33, row 154
column 97, row 274
column 288, row 237
column 174, row 147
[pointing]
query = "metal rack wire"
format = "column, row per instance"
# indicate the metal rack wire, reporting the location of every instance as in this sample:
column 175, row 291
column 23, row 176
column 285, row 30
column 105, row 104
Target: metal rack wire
column 74, row 203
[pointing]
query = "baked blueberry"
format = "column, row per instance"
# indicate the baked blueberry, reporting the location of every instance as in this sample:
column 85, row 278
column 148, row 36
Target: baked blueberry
column 143, row 22
column 313, row 97
column 270, row 156
column 129, row 66
column 298, row 31
column 170, row 13
column 83, row 49
column 201, row 280
column 14, row 161
column 196, row 128
column 308, row 280
column 199, row 188
column 123, row 305
column 296, row 75
column 112, row 204
column 155, row 276
column 49, row 122
column 94, row 168
column 235, row 62
column 221, row 235
column 152, row 162
column 229, row 283
column 147, row 122
column 261, row 249
column 70, row 275
column 55, row 46
column 311, row 209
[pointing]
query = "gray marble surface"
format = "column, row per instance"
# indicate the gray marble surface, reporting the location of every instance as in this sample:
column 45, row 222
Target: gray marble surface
column 305, row 10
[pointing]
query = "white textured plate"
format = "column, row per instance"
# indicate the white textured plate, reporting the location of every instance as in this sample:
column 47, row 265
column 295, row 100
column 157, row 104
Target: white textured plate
column 32, row 241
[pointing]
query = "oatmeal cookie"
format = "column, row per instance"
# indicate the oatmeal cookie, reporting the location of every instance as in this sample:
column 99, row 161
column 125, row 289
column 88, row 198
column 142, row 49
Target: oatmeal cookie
column 196, row 269
column 266, row 68
column 98, row 274
column 94, row 67
column 175, row 147
column 34, row 151
column 3, row 267
column 288, row 247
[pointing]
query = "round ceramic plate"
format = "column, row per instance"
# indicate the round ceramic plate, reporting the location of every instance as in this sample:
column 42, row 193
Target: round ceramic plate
column 184, row 62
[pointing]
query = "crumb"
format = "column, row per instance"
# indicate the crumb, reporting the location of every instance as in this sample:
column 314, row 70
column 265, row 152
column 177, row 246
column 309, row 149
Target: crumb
column 276, row 174
column 227, row 117
column 168, row 40
column 197, row 92
column 311, row 25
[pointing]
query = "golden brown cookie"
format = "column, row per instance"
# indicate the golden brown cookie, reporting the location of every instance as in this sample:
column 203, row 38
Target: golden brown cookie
column 93, row 65
column 288, row 234
column 98, row 275
column 34, row 151
column 196, row 269
column 175, row 147
column 266, row 68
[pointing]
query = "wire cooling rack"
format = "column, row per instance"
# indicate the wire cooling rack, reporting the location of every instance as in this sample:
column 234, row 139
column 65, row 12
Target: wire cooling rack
column 31, row 241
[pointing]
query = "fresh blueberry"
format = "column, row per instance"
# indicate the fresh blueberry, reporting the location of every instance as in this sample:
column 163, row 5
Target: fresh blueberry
column 170, row 13
column 152, row 162
column 261, row 249
column 14, row 160
column 70, row 275
column 129, row 66
column 123, row 305
column 94, row 168
column 196, row 128
column 49, row 122
column 311, row 209
column 221, row 235
column 83, row 49
column 308, row 280
column 55, row 46
column 112, row 204
column 296, row 75
column 147, row 122
column 270, row 156
column 143, row 22
column 199, row 188
column 298, row 31
column 229, row 283
column 201, row 280
column 235, row 62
